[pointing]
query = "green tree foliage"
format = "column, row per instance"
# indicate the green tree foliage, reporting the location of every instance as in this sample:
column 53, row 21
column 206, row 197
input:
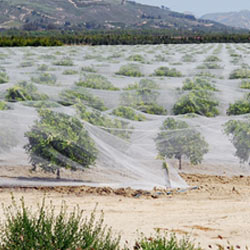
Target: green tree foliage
column 4, row 78
column 136, row 58
column 198, row 84
column 24, row 92
column 113, row 126
column 132, row 70
column 128, row 113
column 143, row 84
column 240, row 107
column 165, row 71
column 245, row 85
column 4, row 105
column 240, row 73
column 200, row 102
column 59, row 141
column 71, row 96
column 144, row 100
column 66, row 61
column 239, row 132
column 46, row 230
column 45, row 79
column 177, row 140
column 95, row 81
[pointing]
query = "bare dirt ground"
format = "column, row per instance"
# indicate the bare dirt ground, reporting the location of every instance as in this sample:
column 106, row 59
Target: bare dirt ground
column 215, row 211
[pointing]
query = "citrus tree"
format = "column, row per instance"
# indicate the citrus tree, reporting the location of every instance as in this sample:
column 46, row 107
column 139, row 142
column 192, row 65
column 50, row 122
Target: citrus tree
column 176, row 140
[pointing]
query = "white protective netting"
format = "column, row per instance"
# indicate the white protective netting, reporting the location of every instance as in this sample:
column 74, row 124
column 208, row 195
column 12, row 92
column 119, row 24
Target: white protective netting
column 123, row 115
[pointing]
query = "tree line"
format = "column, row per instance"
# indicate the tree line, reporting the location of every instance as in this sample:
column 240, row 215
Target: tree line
column 14, row 38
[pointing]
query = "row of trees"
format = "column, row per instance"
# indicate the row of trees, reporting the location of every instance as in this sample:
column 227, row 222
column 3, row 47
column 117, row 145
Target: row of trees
column 57, row 38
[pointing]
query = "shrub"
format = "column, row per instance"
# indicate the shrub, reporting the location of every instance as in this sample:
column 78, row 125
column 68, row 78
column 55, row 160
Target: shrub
column 59, row 141
column 199, row 102
column 245, row 85
column 66, row 61
column 209, row 66
column 45, row 78
column 45, row 230
column 165, row 242
column 240, row 107
column 136, row 58
column 240, row 73
column 143, row 84
column 41, row 104
column 71, row 96
column 26, row 64
column 88, row 69
column 143, row 100
column 70, row 72
column 132, row 70
column 113, row 126
column 4, row 78
column 4, row 105
column 128, row 113
column 212, row 59
column 165, row 71
column 96, row 82
column 24, row 92
column 205, row 74
column 198, row 84
column 188, row 58
column 43, row 67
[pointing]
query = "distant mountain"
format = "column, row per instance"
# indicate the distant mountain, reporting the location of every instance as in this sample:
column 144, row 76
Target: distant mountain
column 239, row 19
column 97, row 14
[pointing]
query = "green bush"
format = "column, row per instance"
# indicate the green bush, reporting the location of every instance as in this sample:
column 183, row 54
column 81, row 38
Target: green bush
column 188, row 58
column 212, row 59
column 113, row 126
column 240, row 107
column 240, row 73
column 46, row 230
column 71, row 96
column 199, row 102
column 4, row 105
column 43, row 67
column 165, row 71
column 24, row 92
column 59, row 141
column 88, row 69
column 136, row 58
column 41, row 104
column 144, row 100
column 66, row 61
column 4, row 78
column 132, row 70
column 128, row 113
column 245, row 85
column 198, row 84
column 205, row 74
column 209, row 66
column 70, row 72
column 26, row 64
column 143, row 84
column 164, row 242
column 239, row 132
column 96, row 82
column 45, row 78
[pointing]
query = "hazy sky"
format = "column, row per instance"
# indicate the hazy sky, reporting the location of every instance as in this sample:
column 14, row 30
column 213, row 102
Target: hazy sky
column 200, row 7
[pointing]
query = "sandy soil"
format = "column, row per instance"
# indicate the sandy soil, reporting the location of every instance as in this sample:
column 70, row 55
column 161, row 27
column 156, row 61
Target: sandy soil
column 214, row 213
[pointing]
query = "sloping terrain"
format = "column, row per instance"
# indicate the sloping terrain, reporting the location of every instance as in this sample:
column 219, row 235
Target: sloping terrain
column 239, row 19
column 94, row 14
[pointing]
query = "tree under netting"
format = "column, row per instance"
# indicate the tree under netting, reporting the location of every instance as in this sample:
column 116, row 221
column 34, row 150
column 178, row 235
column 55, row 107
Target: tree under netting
column 59, row 141
column 239, row 134
column 177, row 140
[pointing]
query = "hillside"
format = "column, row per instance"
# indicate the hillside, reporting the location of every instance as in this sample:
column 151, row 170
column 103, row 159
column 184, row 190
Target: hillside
column 96, row 14
column 239, row 19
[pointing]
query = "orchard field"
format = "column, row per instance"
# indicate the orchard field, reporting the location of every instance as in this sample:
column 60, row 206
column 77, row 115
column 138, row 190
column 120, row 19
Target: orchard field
column 123, row 116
